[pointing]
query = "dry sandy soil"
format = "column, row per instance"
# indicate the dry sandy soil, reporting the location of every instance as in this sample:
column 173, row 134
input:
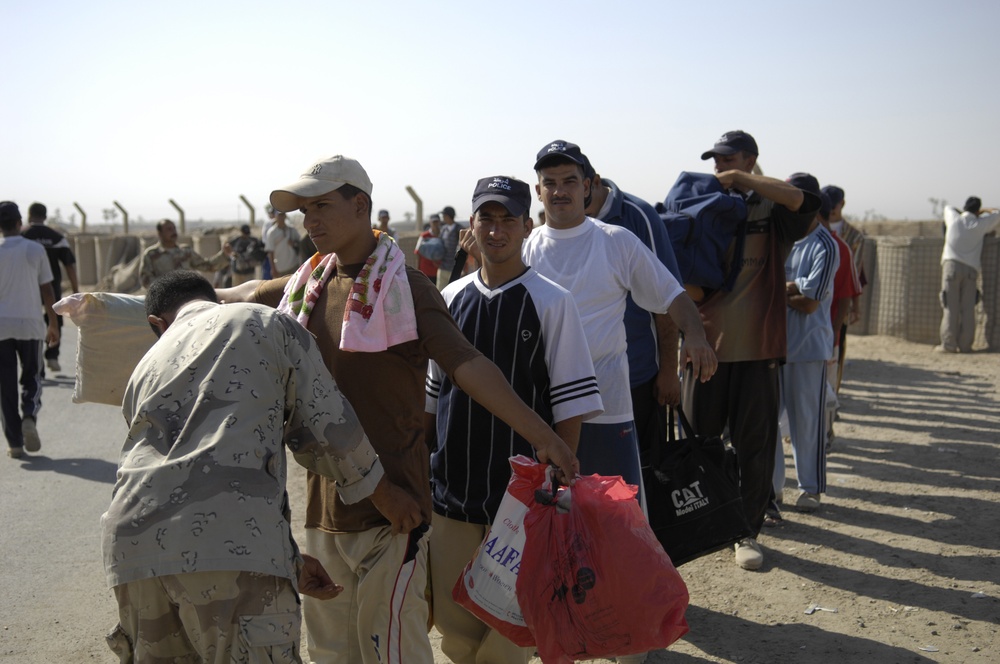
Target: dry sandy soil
column 902, row 558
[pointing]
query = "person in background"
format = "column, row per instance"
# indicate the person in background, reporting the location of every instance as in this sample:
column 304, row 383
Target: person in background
column 245, row 257
column 24, row 271
column 960, row 266
column 265, row 267
column 282, row 245
column 809, row 277
column 58, row 251
column 166, row 256
column 855, row 240
column 846, row 292
column 449, row 236
column 383, row 223
column 424, row 264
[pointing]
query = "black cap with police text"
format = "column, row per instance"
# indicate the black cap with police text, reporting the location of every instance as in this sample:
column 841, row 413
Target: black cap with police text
column 507, row 191
column 732, row 142
column 562, row 149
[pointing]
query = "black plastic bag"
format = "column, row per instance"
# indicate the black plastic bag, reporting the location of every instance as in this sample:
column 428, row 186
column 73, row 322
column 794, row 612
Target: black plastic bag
column 693, row 494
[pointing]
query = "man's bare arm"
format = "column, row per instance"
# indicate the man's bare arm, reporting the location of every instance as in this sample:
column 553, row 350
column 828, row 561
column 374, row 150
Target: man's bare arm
column 695, row 348
column 242, row 293
column 74, row 282
column 484, row 382
column 668, row 384
column 48, row 299
column 798, row 301
column 569, row 431
column 772, row 189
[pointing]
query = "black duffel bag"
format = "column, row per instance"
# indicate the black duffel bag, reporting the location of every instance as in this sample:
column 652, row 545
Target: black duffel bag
column 693, row 494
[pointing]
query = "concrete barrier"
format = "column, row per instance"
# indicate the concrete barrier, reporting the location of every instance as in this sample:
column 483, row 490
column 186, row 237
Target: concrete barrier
column 85, row 249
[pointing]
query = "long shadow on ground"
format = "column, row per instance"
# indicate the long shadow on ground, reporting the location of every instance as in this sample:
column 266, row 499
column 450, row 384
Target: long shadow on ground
column 732, row 638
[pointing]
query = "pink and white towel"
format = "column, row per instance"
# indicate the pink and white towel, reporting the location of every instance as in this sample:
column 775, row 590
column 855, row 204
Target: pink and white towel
column 379, row 313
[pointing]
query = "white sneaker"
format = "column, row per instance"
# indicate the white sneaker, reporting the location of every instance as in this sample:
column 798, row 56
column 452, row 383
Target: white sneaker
column 53, row 365
column 29, row 432
column 748, row 554
column 807, row 502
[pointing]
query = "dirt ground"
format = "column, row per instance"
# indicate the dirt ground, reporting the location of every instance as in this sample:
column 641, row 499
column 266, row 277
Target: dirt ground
column 901, row 564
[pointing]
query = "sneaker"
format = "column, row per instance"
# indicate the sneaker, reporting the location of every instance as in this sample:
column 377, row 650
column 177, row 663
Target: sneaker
column 942, row 349
column 53, row 365
column 748, row 554
column 15, row 452
column 29, row 432
column 807, row 502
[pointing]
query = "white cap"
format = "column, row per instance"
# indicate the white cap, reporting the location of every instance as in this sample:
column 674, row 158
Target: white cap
column 324, row 176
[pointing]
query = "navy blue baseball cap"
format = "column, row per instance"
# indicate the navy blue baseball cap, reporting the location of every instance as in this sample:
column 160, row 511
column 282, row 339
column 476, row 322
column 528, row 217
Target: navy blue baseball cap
column 805, row 182
column 564, row 150
column 509, row 192
column 835, row 193
column 732, row 142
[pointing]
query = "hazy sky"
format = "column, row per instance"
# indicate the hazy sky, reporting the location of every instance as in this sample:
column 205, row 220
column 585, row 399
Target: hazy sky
column 203, row 101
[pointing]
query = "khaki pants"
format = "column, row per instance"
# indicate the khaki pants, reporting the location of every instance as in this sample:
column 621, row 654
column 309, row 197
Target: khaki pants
column 210, row 617
column 958, row 297
column 465, row 639
column 381, row 616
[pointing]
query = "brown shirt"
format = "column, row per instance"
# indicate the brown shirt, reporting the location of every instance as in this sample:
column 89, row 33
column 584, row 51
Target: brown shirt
column 748, row 323
column 386, row 390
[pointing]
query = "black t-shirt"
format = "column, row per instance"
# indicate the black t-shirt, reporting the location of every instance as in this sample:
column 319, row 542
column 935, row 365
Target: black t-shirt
column 56, row 247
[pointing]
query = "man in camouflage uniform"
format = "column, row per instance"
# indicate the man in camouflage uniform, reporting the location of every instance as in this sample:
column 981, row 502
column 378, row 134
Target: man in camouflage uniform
column 197, row 539
column 166, row 256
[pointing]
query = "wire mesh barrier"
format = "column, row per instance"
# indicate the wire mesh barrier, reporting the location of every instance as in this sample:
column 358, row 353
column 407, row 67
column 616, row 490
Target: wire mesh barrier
column 903, row 295
column 902, row 298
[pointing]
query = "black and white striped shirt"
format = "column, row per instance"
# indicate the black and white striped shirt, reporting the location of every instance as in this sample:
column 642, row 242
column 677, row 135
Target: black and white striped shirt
column 530, row 328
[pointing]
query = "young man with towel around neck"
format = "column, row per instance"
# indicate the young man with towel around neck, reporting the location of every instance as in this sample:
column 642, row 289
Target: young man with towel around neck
column 377, row 322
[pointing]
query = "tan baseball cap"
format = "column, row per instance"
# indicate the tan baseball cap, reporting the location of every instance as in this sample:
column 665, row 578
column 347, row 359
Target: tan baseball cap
column 324, row 176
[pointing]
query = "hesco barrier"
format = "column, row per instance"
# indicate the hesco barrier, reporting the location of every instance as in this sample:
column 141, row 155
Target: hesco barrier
column 902, row 298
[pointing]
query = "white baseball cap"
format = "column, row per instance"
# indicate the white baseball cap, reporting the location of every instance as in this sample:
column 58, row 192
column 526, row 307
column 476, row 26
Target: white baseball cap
column 324, row 176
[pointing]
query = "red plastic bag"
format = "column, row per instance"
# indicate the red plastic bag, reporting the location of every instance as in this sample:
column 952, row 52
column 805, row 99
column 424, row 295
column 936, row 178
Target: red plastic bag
column 594, row 581
column 487, row 586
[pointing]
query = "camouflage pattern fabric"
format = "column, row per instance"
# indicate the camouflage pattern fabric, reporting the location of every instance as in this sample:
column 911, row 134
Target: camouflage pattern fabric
column 211, row 407
column 157, row 261
column 208, row 617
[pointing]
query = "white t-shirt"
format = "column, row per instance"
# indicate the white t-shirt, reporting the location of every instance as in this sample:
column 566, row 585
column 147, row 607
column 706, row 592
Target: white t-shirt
column 286, row 254
column 963, row 237
column 600, row 265
column 24, row 267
